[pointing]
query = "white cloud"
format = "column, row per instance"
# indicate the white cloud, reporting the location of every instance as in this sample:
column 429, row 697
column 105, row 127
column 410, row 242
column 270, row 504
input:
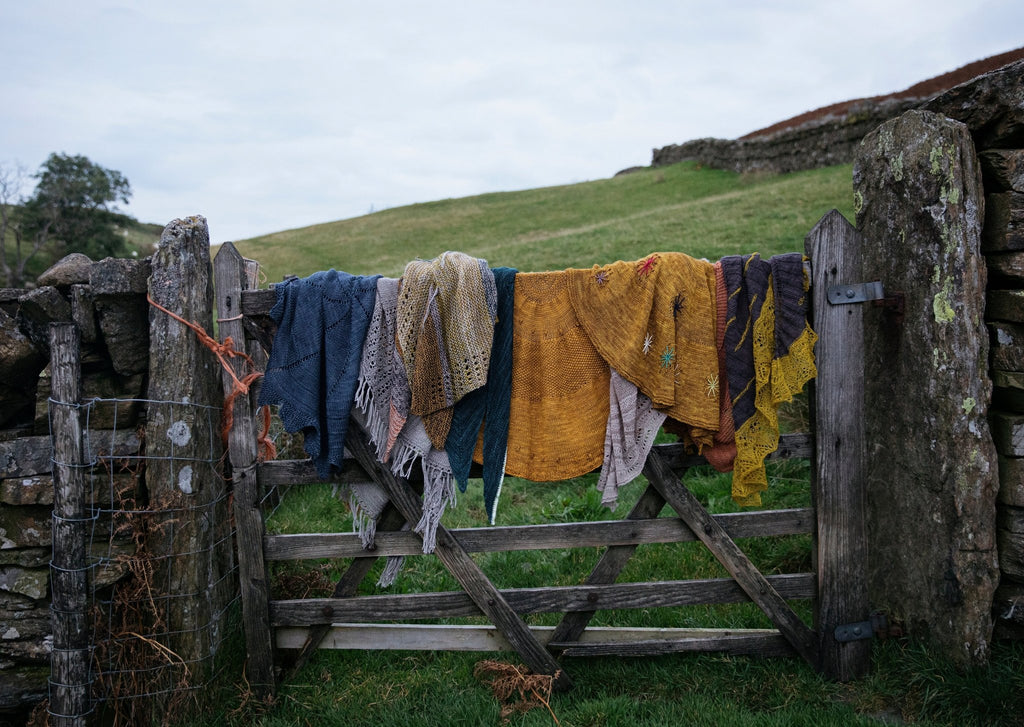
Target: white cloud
column 266, row 115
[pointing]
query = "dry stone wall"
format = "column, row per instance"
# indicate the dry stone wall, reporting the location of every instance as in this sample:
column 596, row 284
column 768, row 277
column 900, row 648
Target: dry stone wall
column 820, row 143
column 107, row 300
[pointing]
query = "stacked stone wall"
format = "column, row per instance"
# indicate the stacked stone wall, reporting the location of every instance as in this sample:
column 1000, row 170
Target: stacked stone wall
column 107, row 299
column 820, row 143
column 992, row 107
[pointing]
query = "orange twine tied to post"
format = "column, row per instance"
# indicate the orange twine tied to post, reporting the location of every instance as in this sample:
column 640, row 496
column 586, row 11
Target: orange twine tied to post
column 223, row 351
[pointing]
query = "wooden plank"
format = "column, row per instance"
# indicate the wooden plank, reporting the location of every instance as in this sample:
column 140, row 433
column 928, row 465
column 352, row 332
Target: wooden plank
column 791, row 446
column 540, row 537
column 286, row 472
column 838, row 483
column 257, row 302
column 231, row 280
column 69, row 660
column 433, row 637
column 729, row 555
column 301, row 471
column 608, row 568
column 347, row 585
column 460, row 565
column 734, row 644
column 549, row 599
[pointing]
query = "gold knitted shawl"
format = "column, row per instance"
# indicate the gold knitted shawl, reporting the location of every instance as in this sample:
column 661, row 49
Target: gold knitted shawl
column 445, row 325
column 559, row 408
column 653, row 321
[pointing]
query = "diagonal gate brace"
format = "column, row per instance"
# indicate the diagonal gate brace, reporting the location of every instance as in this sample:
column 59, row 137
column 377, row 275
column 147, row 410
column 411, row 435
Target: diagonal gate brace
column 462, row 567
column 713, row 535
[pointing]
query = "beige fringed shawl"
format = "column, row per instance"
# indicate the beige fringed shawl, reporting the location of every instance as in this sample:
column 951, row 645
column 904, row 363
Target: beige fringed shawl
column 445, row 326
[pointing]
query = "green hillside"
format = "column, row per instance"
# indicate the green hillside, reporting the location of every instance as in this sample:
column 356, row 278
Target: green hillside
column 702, row 212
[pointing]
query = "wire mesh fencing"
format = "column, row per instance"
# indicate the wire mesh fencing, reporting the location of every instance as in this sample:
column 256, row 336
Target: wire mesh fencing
column 160, row 572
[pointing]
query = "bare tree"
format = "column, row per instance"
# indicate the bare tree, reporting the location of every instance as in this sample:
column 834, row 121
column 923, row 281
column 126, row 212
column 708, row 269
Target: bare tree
column 13, row 176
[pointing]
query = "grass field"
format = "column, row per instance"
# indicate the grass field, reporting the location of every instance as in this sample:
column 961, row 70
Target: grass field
column 701, row 212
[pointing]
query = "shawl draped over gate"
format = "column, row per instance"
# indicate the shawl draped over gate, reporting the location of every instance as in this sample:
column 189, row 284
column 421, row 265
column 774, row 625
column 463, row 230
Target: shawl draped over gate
column 653, row 321
column 769, row 349
column 445, row 321
column 314, row 364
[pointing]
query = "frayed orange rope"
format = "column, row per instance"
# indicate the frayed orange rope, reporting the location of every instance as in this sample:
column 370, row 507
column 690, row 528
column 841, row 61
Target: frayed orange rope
column 223, row 352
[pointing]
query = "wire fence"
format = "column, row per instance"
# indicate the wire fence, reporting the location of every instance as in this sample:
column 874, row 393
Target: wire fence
column 160, row 571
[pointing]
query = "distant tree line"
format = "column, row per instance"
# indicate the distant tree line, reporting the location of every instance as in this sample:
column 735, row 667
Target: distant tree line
column 73, row 208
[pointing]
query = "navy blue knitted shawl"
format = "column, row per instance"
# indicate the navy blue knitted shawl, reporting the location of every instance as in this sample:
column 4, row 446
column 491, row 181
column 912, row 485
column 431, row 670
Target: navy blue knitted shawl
column 314, row 364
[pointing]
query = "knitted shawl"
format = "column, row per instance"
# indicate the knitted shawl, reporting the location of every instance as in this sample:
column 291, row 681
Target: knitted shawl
column 314, row 364
column 446, row 311
column 653, row 321
column 489, row 403
column 560, row 383
column 722, row 453
column 633, row 424
column 769, row 356
column 382, row 381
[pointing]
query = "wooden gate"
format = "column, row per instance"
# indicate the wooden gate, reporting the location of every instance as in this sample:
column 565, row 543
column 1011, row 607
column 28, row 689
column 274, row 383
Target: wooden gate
column 837, row 587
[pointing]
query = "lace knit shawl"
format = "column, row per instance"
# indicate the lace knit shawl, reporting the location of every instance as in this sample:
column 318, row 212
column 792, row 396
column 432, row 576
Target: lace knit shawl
column 314, row 364
column 653, row 321
column 769, row 356
column 633, row 424
column 445, row 326
column 382, row 381
column 488, row 405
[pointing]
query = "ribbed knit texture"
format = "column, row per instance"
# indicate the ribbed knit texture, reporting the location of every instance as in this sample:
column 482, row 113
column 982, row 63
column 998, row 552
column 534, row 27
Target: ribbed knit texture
column 722, row 453
column 488, row 405
column 653, row 321
column 559, row 408
column 314, row 364
column 446, row 311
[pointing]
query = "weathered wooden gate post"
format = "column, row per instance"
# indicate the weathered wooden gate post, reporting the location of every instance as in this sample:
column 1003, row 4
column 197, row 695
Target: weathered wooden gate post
column 183, row 445
column 837, row 416
column 231, row 280
column 69, row 661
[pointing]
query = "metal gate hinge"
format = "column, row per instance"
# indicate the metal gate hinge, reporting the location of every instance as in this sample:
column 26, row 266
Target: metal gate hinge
column 864, row 292
column 855, row 292
column 877, row 626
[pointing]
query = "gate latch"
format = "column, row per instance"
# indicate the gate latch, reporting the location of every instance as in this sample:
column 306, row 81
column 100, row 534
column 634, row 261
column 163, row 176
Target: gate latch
column 877, row 626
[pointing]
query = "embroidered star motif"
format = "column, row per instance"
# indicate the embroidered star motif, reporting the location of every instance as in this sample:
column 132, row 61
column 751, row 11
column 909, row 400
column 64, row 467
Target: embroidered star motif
column 601, row 277
column 646, row 266
column 648, row 341
column 712, row 390
column 668, row 356
column 677, row 305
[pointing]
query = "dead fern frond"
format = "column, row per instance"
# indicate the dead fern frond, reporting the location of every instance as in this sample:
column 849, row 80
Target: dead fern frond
column 515, row 688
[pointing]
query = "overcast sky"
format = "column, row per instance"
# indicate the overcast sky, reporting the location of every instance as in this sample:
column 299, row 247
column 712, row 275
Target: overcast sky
column 265, row 116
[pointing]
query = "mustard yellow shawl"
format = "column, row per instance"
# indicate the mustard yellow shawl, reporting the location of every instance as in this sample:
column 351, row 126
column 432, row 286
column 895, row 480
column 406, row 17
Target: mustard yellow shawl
column 653, row 321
